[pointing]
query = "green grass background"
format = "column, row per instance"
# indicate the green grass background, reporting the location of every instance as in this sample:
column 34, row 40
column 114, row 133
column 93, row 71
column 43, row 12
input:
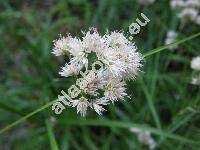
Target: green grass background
column 162, row 99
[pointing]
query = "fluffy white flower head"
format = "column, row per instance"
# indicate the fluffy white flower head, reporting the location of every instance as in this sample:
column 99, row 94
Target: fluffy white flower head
column 170, row 38
column 195, row 63
column 144, row 137
column 192, row 3
column 196, row 80
column 188, row 14
column 119, row 61
column 176, row 3
column 188, row 10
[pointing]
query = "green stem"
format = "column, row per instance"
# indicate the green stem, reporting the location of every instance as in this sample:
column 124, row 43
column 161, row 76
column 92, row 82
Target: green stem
column 128, row 125
column 26, row 117
column 157, row 50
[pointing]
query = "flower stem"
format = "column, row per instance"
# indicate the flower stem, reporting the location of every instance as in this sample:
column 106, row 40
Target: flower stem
column 157, row 50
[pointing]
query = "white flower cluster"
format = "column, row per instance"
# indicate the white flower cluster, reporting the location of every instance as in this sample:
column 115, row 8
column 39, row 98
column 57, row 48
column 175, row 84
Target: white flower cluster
column 195, row 64
column 188, row 10
column 144, row 137
column 119, row 59
column 170, row 38
column 146, row 1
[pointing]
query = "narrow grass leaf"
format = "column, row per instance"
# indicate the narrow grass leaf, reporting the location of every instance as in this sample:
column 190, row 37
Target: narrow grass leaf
column 26, row 117
column 118, row 124
column 157, row 50
column 52, row 139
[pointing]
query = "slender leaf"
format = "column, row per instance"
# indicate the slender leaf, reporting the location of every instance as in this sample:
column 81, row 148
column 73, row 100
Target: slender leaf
column 52, row 139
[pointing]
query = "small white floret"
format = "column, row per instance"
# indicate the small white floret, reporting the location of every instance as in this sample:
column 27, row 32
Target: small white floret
column 195, row 63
